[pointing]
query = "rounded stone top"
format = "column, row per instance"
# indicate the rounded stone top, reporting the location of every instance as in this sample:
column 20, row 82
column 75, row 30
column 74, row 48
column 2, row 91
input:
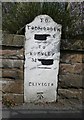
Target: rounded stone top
column 44, row 20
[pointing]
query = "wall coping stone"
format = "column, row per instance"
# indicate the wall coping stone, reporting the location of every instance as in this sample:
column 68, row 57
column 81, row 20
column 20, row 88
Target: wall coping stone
column 18, row 41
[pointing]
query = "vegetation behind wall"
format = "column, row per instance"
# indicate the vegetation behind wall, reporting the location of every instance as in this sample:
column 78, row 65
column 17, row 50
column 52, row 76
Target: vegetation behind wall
column 16, row 15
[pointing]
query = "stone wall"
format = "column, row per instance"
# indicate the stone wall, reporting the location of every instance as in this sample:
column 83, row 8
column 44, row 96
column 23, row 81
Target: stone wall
column 70, row 84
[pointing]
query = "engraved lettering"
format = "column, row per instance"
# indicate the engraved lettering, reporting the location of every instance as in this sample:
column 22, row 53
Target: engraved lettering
column 41, row 19
column 46, row 20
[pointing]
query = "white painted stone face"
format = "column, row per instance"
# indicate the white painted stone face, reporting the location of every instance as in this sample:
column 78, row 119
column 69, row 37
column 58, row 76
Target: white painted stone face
column 42, row 53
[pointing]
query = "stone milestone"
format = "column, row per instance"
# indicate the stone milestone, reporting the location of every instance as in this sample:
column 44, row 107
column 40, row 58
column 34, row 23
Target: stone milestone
column 42, row 53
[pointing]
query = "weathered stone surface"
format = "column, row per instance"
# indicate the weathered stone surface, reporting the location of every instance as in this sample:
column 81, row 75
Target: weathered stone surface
column 41, row 59
column 14, row 54
column 70, row 81
column 17, row 98
column 0, row 66
column 9, row 79
column 83, row 69
column 8, row 73
column 70, row 103
column 0, row 92
column 20, row 74
column 71, row 44
column 18, row 40
column 71, row 58
column 8, row 53
column 78, row 68
column 12, row 73
column 83, row 58
column 83, row 96
column 12, row 40
column 8, row 63
column 83, row 44
column 13, row 87
column 20, row 54
column 70, row 93
column 7, row 39
column 71, row 68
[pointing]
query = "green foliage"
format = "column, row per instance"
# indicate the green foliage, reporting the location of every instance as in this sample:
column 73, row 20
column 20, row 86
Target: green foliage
column 17, row 15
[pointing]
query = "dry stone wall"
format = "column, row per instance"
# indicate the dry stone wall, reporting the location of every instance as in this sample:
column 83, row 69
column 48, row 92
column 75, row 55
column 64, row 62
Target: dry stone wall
column 70, row 84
